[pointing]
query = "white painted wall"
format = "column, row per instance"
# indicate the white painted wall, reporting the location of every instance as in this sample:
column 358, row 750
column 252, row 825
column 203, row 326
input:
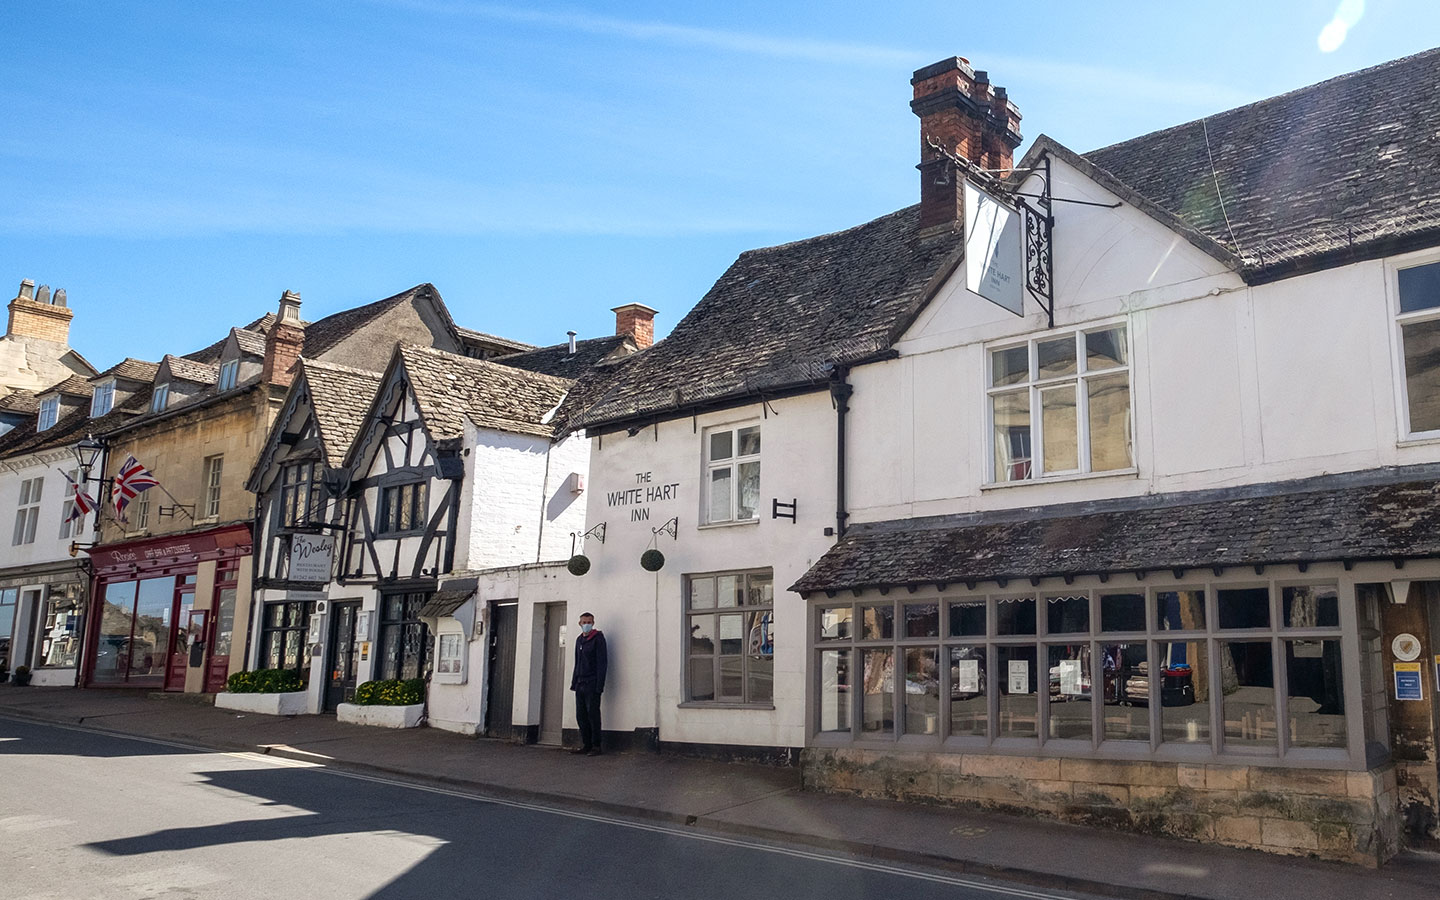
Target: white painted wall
column 641, row 612
column 48, row 546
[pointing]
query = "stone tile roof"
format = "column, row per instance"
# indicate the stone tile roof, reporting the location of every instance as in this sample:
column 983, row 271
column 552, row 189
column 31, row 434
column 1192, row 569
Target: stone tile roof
column 211, row 354
column 251, row 343
column 1316, row 520
column 189, row 370
column 340, row 396
column 72, row 426
column 21, row 401
column 130, row 369
column 1339, row 170
column 471, row 336
column 558, row 360
column 451, row 388
column 74, row 386
column 781, row 316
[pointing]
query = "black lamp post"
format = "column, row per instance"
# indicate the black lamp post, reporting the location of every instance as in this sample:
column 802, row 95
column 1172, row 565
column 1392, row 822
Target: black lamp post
column 87, row 452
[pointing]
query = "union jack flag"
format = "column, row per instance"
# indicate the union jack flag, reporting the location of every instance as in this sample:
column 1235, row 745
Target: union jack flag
column 82, row 504
column 130, row 482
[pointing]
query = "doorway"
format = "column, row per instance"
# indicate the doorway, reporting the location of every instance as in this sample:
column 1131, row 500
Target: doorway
column 500, row 693
column 222, row 631
column 180, row 636
column 340, row 672
column 552, row 679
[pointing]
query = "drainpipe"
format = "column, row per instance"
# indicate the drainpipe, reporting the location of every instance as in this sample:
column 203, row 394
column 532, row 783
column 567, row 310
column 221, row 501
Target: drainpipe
column 840, row 391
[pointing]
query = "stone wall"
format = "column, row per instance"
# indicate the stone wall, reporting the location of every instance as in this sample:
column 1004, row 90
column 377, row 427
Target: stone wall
column 1326, row 813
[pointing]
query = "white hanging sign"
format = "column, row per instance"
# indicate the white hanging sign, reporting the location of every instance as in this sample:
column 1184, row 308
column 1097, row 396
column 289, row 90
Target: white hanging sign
column 994, row 264
column 311, row 556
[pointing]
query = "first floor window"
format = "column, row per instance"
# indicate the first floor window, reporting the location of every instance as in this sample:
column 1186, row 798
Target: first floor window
column 70, row 524
column 1060, row 405
column 214, row 467
column 404, row 642
column 730, row 638
column 284, row 627
column 139, row 512
column 402, row 508
column 732, row 474
column 1419, row 320
column 27, row 515
column 1202, row 665
column 300, row 494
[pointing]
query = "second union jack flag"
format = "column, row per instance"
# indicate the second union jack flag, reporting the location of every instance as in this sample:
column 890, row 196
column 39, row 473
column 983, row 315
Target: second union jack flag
column 130, row 482
column 82, row 504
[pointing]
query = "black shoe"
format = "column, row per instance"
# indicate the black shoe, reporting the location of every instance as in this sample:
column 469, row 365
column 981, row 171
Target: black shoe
column 595, row 752
column 581, row 751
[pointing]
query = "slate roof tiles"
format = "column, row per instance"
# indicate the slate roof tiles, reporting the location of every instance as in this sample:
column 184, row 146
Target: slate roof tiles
column 339, row 396
column 451, row 388
column 189, row 370
column 131, row 369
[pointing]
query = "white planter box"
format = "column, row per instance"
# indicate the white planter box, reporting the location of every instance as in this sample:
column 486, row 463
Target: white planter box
column 289, row 703
column 381, row 716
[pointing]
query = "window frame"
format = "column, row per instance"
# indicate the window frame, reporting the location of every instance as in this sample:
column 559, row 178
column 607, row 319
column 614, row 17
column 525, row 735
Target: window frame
column 27, row 511
column 1157, row 641
column 105, row 390
column 411, row 602
column 229, row 376
column 745, row 610
column 450, row 669
column 214, row 474
column 71, row 529
column 1034, row 387
column 308, row 482
column 160, row 397
column 49, row 413
column 292, row 632
column 733, row 463
column 388, row 523
column 1400, row 319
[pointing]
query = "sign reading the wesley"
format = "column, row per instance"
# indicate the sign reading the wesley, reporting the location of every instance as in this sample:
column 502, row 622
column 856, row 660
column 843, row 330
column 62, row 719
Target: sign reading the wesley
column 640, row 498
column 993, row 263
column 311, row 556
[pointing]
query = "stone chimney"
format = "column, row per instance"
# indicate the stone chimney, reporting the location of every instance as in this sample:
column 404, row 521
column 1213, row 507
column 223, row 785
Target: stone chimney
column 284, row 343
column 638, row 321
column 961, row 115
column 37, row 315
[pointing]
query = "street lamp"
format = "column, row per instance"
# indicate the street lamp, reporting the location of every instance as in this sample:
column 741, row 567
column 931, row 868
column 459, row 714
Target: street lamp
column 87, row 452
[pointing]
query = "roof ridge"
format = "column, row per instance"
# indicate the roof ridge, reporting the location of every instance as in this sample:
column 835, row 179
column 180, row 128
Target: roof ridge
column 829, row 234
column 1274, row 98
column 337, row 367
column 483, row 364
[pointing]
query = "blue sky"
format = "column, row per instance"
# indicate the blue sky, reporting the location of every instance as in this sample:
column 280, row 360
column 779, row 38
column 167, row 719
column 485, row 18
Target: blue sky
column 177, row 165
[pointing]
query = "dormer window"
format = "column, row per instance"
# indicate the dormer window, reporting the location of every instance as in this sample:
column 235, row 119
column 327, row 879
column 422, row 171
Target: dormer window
column 103, row 399
column 160, row 397
column 229, row 375
column 49, row 413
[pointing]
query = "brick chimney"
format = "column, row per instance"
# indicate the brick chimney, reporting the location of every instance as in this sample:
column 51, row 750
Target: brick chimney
column 967, row 118
column 284, row 343
column 39, row 316
column 638, row 321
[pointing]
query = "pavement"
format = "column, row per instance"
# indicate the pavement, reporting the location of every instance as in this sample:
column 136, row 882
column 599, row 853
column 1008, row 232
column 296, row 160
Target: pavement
column 751, row 800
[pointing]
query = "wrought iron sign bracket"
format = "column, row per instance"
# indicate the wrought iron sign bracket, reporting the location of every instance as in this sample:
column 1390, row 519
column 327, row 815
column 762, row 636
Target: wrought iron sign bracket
column 671, row 528
column 1039, row 228
column 166, row 512
column 780, row 510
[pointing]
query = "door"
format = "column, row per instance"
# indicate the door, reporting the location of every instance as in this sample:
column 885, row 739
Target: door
column 340, row 671
column 500, row 700
column 552, row 694
column 180, row 640
column 222, row 633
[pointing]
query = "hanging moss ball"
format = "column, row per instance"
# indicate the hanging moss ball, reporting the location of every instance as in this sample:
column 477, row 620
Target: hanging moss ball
column 652, row 560
column 579, row 564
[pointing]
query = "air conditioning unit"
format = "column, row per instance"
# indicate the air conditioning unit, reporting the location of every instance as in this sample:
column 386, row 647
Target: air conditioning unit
column 322, row 607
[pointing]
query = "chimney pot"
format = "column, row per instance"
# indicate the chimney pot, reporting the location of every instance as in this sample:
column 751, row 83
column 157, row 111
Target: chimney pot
column 638, row 321
column 42, row 295
column 60, row 297
column 27, row 289
column 571, row 335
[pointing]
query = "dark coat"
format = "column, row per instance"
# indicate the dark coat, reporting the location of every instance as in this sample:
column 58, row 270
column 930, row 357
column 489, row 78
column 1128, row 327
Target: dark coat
column 591, row 661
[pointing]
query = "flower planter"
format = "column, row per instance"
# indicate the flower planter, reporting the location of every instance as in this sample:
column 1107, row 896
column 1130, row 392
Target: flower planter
column 289, row 703
column 380, row 716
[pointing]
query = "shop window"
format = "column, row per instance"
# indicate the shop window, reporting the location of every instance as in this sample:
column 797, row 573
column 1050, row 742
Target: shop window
column 1419, row 323
column 1199, row 670
column 137, row 624
column 730, row 638
column 1060, row 405
column 732, row 474
column 60, row 627
column 404, row 640
column 8, row 599
column 402, row 508
column 27, row 514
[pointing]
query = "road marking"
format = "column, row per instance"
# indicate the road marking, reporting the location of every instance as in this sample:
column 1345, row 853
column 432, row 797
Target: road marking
column 685, row 833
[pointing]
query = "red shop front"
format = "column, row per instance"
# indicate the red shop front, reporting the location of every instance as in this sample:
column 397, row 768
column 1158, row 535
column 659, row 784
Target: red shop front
column 164, row 610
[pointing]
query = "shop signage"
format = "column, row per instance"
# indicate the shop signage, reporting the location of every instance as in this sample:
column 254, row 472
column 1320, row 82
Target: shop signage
column 1406, row 647
column 1019, row 676
column 994, row 267
column 967, row 676
column 311, row 556
column 640, row 498
column 1407, row 681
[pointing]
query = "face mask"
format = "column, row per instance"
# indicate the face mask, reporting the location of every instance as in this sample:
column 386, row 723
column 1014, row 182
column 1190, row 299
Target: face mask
column 586, row 627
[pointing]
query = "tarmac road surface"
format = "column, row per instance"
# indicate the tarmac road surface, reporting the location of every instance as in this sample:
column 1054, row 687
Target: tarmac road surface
column 89, row 814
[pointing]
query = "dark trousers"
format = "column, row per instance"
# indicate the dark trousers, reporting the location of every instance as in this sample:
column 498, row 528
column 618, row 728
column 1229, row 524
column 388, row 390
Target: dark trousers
column 587, row 716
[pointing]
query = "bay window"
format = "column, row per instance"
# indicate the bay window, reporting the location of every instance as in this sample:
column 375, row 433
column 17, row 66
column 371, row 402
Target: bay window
column 1060, row 405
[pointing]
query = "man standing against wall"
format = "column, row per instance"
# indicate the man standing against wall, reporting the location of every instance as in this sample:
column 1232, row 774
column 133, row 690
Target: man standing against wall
column 588, row 683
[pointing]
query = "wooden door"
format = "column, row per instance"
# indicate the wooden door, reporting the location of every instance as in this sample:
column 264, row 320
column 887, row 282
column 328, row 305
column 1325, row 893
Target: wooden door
column 179, row 656
column 500, row 695
column 340, row 660
column 552, row 692
column 219, row 639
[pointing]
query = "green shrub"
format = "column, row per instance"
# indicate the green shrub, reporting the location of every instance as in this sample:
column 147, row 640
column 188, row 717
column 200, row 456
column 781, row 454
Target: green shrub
column 265, row 681
column 391, row 693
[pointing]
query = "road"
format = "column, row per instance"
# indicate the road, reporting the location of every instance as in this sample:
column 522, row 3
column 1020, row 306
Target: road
column 88, row 814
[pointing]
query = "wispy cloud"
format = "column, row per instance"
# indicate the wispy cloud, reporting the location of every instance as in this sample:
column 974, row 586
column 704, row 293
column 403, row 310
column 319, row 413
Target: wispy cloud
column 1347, row 16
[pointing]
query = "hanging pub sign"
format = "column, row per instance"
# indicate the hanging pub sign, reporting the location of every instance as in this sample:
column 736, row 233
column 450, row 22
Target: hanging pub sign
column 311, row 556
column 994, row 264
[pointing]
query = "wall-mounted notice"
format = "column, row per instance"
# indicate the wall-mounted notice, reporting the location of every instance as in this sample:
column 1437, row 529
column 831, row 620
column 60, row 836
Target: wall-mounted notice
column 1407, row 681
column 1070, row 677
column 967, row 676
column 1019, row 676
